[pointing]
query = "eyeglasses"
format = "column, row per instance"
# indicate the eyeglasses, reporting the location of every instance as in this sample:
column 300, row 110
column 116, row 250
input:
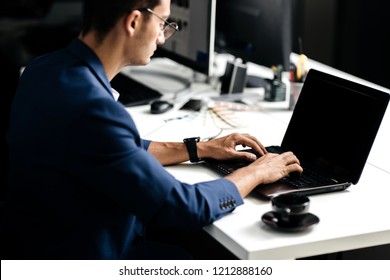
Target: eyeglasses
column 168, row 29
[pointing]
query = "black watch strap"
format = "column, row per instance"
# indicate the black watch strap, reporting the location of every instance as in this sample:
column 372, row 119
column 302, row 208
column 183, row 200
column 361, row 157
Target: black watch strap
column 191, row 148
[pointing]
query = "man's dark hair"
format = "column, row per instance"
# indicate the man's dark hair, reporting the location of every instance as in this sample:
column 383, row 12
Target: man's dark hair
column 102, row 15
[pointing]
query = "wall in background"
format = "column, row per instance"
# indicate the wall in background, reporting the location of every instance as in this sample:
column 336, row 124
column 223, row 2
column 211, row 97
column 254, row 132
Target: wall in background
column 350, row 35
column 364, row 40
column 315, row 24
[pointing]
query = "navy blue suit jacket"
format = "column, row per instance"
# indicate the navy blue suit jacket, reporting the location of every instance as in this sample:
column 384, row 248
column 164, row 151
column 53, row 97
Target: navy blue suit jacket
column 82, row 184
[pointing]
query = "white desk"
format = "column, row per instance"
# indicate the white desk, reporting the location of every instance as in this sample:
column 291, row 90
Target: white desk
column 351, row 219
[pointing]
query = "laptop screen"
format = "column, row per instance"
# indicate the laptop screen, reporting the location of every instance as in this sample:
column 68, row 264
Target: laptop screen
column 334, row 124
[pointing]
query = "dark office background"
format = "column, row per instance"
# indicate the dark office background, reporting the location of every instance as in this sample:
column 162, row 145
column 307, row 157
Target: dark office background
column 29, row 28
column 350, row 35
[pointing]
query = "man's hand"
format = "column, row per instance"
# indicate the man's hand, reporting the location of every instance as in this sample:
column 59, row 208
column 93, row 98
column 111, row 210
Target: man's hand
column 225, row 147
column 267, row 169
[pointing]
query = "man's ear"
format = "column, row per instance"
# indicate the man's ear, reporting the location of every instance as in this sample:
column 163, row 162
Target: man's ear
column 133, row 21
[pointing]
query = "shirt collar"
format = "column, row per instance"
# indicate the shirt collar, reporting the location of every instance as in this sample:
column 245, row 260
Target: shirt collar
column 115, row 94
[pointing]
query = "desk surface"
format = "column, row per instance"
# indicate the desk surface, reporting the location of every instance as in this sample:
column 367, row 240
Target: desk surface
column 351, row 219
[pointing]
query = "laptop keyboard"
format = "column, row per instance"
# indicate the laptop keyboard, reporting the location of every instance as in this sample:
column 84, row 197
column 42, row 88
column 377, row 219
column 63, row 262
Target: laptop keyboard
column 307, row 178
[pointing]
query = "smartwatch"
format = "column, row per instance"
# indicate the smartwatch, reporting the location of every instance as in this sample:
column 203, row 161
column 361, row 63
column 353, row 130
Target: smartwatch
column 191, row 148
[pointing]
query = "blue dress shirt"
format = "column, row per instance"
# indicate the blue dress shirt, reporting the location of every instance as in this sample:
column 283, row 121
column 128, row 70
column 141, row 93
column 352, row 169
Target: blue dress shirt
column 82, row 184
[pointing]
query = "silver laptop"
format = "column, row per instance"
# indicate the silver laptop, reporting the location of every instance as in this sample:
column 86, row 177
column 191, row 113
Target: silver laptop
column 332, row 130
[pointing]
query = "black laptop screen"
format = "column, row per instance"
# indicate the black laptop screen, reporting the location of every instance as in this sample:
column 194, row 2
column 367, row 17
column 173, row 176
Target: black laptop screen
column 334, row 124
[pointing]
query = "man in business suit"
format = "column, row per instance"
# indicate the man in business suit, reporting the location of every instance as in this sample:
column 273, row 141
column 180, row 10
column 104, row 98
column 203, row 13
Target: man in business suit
column 83, row 184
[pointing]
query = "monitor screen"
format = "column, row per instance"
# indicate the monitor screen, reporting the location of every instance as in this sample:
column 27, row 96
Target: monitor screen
column 193, row 44
column 259, row 31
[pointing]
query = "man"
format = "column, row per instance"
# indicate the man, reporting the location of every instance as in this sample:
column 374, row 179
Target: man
column 83, row 184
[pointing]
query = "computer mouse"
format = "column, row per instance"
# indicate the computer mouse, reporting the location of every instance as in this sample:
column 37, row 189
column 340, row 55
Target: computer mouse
column 160, row 106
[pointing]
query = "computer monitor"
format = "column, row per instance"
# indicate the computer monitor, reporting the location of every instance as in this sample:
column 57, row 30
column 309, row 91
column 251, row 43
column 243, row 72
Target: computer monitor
column 193, row 44
column 257, row 31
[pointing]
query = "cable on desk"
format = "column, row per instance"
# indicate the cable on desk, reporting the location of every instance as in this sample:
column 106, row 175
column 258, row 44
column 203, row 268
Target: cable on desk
column 213, row 136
